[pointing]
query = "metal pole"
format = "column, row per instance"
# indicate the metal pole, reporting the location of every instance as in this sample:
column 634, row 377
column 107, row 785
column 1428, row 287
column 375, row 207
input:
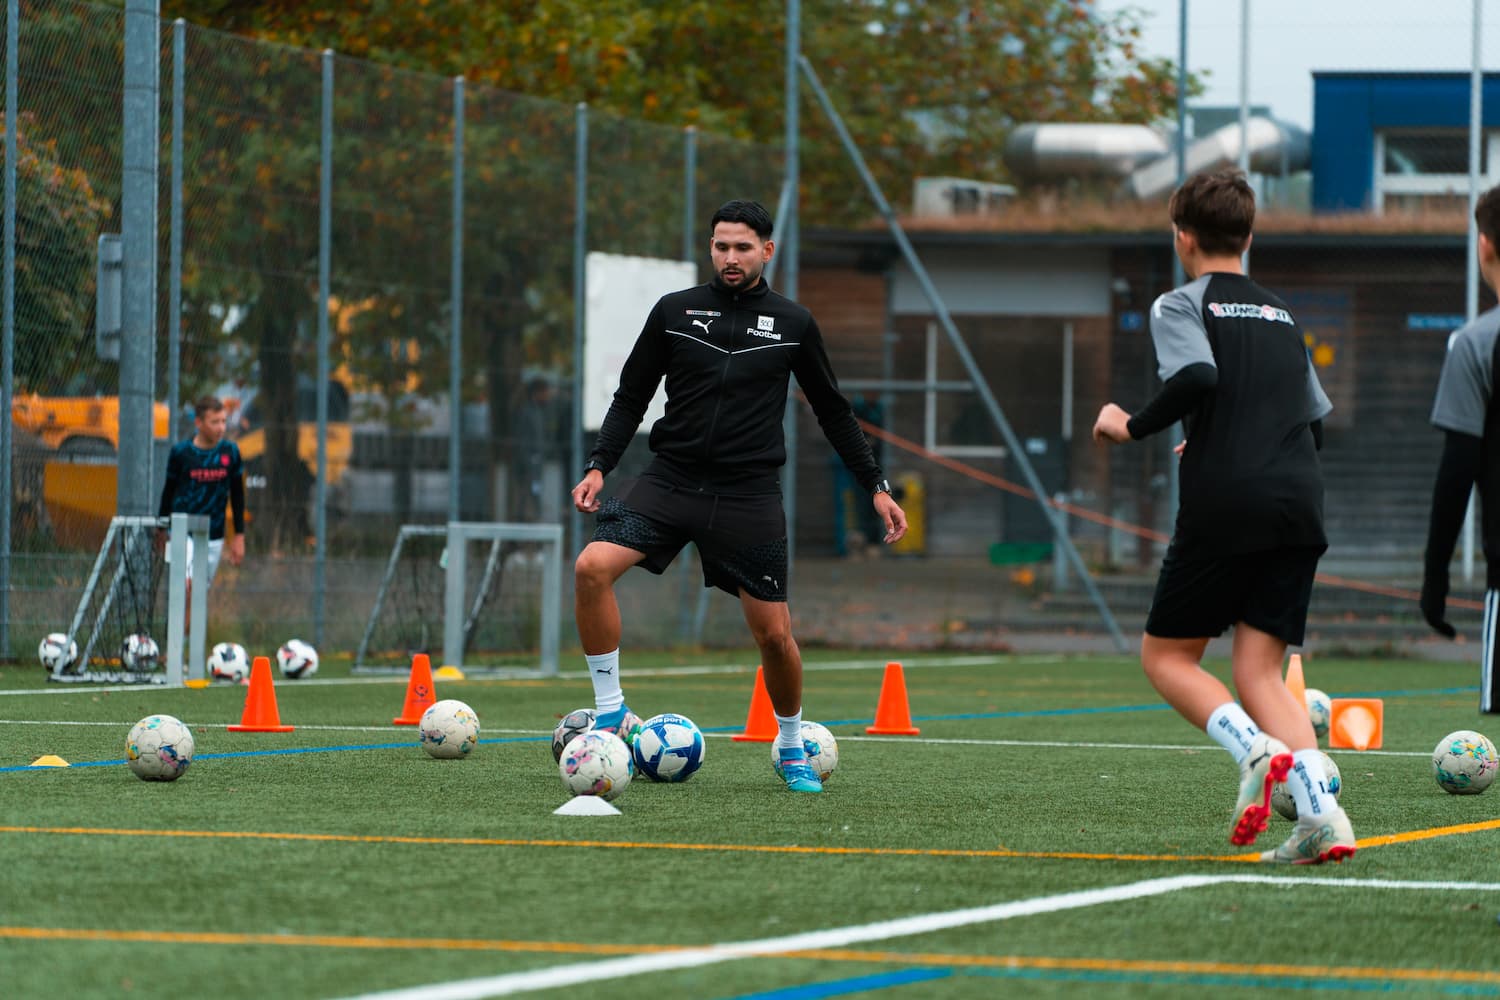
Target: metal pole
column 8, row 348
column 325, row 269
column 456, row 307
column 138, row 238
column 789, row 249
column 1244, row 157
column 1471, row 270
column 580, row 252
column 1179, row 277
column 690, row 241
column 1059, row 529
column 174, row 264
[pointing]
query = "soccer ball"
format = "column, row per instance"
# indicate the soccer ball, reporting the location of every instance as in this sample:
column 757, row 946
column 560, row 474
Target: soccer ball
column 229, row 662
column 596, row 763
column 57, row 652
column 1464, row 762
column 139, row 652
column 1281, row 795
column 297, row 659
column 159, row 748
column 1319, row 711
column 669, row 747
column 575, row 723
column 449, row 729
column 822, row 749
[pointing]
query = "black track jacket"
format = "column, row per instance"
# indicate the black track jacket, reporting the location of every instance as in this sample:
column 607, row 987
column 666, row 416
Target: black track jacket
column 726, row 356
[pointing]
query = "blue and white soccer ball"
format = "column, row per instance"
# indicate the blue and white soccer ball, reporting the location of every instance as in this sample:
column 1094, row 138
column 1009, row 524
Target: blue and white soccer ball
column 449, row 729
column 159, row 748
column 57, row 652
column 297, row 659
column 596, row 763
column 1281, row 796
column 139, row 652
column 229, row 662
column 668, row 747
column 822, row 749
column 1319, row 710
column 1464, row 762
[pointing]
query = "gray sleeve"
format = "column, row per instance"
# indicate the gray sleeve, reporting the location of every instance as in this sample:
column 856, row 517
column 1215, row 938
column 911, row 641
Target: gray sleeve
column 1178, row 333
column 1318, row 404
column 1463, row 392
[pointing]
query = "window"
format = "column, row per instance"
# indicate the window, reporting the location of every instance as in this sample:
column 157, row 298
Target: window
column 1428, row 169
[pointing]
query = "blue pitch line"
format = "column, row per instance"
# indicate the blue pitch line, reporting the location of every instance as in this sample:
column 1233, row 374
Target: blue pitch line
column 277, row 752
column 859, row 984
column 842, row 987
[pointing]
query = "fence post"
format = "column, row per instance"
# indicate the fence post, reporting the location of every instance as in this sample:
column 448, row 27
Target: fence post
column 456, row 307
column 325, row 267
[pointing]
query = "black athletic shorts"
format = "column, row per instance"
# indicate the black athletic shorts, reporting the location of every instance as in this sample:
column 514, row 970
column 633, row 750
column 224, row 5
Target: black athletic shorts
column 741, row 538
column 1200, row 596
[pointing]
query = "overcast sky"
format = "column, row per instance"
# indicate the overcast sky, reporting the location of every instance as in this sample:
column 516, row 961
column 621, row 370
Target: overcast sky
column 1289, row 39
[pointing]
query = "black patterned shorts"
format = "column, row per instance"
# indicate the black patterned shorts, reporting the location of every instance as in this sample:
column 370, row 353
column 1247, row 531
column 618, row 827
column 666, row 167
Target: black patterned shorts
column 741, row 539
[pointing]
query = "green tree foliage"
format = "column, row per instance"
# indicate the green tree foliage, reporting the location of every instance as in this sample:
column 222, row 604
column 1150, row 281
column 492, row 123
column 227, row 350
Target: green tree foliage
column 929, row 88
column 58, row 218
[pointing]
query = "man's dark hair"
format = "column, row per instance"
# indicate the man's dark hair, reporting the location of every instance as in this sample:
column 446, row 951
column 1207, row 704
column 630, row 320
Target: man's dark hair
column 751, row 213
column 1218, row 208
column 206, row 405
column 1487, row 215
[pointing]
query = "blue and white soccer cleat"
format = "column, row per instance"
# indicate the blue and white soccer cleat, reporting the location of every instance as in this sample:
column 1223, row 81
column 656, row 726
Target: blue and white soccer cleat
column 622, row 722
column 792, row 767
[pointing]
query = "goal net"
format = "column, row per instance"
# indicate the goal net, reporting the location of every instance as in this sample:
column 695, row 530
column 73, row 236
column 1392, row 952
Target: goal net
column 130, row 626
column 477, row 593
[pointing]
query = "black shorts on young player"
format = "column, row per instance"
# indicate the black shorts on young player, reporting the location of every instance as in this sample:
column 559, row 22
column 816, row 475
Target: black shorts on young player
column 1201, row 596
column 741, row 539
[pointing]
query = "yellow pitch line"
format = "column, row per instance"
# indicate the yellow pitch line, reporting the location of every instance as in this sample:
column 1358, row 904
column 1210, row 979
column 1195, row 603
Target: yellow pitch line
column 1436, row 831
column 350, row 838
column 823, row 954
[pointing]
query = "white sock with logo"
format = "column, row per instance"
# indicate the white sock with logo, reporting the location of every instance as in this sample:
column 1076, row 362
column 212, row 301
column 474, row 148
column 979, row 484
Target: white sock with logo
column 604, row 671
column 790, row 735
column 1233, row 729
column 1308, row 784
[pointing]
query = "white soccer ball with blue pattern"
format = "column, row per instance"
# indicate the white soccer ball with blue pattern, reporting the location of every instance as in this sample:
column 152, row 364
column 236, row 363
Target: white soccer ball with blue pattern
column 159, row 748
column 1319, row 710
column 449, row 729
column 297, row 659
column 57, row 652
column 822, row 749
column 1281, row 795
column 229, row 662
column 596, row 763
column 1464, row 762
column 668, row 747
column 139, row 652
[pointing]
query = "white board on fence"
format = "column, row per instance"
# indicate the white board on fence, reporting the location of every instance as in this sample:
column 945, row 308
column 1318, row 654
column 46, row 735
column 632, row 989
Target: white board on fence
column 620, row 293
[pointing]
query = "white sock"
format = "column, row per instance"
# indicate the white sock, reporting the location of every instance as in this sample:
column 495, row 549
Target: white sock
column 790, row 736
column 1234, row 730
column 1308, row 784
column 604, row 671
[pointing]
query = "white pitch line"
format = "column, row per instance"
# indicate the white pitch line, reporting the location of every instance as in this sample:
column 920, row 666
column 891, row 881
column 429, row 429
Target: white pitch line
column 619, row 968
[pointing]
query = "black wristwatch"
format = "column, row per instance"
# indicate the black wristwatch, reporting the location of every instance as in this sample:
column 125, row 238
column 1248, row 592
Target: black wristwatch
column 591, row 465
column 884, row 486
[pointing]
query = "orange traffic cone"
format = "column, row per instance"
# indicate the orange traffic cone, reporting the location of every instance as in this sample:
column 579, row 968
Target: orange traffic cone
column 1355, row 723
column 892, row 715
column 760, row 724
column 420, row 694
column 1294, row 680
column 260, row 714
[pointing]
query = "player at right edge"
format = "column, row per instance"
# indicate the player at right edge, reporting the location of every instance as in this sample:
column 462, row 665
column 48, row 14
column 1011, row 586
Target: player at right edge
column 1249, row 532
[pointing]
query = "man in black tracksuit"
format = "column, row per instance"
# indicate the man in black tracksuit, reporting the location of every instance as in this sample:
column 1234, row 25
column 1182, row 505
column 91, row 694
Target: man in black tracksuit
column 726, row 350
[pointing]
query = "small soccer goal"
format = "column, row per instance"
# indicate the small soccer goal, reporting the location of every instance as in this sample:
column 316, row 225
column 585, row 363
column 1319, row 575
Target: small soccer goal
column 131, row 626
column 480, row 595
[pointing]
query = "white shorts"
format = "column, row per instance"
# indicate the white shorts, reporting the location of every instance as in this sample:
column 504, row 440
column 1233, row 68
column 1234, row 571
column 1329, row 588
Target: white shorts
column 215, row 550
